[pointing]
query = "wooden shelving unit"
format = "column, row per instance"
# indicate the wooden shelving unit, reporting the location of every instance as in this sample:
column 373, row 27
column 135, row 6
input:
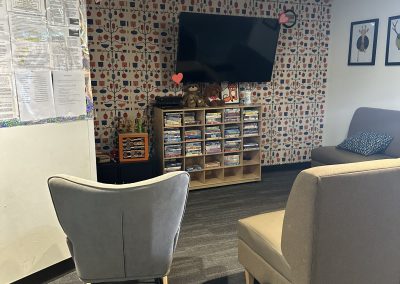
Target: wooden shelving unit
column 247, row 170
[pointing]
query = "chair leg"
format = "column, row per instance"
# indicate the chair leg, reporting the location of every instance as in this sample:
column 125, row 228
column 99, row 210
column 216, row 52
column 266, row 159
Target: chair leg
column 249, row 277
column 163, row 280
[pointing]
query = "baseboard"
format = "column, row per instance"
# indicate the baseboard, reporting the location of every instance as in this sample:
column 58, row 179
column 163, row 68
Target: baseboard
column 49, row 273
column 286, row 167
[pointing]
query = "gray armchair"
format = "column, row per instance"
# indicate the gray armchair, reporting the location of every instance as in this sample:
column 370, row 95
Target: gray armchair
column 121, row 232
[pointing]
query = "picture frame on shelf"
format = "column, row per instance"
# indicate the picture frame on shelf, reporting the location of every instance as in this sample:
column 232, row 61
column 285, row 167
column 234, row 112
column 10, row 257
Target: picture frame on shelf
column 230, row 93
column 393, row 42
column 363, row 42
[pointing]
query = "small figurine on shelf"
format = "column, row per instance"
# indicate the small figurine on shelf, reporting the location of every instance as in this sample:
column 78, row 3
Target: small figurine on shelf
column 192, row 97
column 139, row 127
column 212, row 95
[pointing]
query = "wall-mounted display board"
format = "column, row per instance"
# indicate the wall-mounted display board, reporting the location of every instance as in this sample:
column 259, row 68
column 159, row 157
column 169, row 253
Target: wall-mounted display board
column 44, row 70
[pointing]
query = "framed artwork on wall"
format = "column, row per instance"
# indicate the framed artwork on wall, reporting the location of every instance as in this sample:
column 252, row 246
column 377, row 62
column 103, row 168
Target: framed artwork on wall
column 393, row 42
column 230, row 93
column 363, row 40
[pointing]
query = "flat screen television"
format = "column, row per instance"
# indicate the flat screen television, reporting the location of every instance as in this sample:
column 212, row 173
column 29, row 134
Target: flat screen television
column 218, row 48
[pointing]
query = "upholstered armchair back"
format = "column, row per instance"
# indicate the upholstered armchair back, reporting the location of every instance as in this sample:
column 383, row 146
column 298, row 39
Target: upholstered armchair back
column 342, row 224
column 118, row 232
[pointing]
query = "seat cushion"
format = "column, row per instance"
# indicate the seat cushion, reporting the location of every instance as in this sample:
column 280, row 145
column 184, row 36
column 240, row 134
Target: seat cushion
column 262, row 233
column 330, row 155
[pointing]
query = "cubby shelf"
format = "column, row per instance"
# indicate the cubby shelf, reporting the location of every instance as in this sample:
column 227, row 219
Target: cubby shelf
column 248, row 168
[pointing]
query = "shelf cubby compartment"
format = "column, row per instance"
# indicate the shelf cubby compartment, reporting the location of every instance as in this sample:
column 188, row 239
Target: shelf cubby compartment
column 251, row 158
column 173, row 119
column 214, row 176
column 233, row 173
column 193, row 134
column 252, row 172
column 194, row 164
column 193, row 118
column 196, row 179
column 251, row 144
column 213, row 162
column 232, row 115
column 214, row 117
column 173, row 165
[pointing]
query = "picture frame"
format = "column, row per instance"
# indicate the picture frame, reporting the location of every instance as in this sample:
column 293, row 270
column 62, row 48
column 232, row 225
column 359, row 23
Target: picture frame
column 393, row 42
column 363, row 42
column 230, row 93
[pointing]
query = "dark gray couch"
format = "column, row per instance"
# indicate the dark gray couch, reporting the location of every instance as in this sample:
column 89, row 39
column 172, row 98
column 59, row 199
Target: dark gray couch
column 374, row 119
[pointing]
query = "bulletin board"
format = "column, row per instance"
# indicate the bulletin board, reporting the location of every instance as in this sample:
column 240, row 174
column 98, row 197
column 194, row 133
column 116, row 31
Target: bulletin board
column 44, row 62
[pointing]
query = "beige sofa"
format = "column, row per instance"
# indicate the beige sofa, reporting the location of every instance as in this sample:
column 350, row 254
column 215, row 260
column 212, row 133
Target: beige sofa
column 371, row 119
column 341, row 225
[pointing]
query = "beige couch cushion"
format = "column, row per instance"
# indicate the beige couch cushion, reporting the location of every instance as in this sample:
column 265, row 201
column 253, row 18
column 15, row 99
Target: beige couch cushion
column 262, row 233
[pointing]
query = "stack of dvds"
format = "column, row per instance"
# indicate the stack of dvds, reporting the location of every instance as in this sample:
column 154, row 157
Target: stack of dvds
column 213, row 118
column 212, row 164
column 193, row 149
column 231, row 160
column 173, row 166
column 213, row 132
column 172, row 151
column 232, row 145
column 250, row 115
column 172, row 136
column 172, row 119
column 248, row 146
column 190, row 118
column 193, row 168
column 232, row 131
column 213, row 147
column 232, row 115
column 250, row 129
column 193, row 134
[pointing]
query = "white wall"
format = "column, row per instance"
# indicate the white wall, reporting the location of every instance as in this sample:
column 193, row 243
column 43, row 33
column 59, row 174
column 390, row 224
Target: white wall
column 350, row 87
column 30, row 236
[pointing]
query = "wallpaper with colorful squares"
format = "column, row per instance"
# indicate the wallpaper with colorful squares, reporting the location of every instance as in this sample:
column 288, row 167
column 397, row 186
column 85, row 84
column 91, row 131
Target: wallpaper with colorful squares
column 133, row 50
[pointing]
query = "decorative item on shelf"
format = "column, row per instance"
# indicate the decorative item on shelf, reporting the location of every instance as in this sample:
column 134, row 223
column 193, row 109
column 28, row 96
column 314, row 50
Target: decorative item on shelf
column 177, row 78
column 245, row 95
column 230, row 93
column 133, row 147
column 393, row 42
column 124, row 125
column 363, row 40
column 192, row 97
column 212, row 95
column 139, row 127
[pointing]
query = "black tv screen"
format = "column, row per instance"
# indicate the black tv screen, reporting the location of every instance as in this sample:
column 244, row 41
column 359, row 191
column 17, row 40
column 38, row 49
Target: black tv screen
column 216, row 48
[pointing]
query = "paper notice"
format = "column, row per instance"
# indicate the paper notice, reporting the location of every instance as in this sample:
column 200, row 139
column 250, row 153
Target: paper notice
column 27, row 6
column 28, row 55
column 28, row 28
column 35, row 95
column 69, row 93
column 74, row 50
column 5, row 56
column 8, row 109
column 58, row 48
column 56, row 12
column 72, row 11
column 3, row 7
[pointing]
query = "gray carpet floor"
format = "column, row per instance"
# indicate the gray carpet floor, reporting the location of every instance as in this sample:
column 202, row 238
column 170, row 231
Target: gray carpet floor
column 207, row 246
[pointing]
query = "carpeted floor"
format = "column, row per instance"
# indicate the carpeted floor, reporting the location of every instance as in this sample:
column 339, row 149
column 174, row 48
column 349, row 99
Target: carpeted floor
column 207, row 246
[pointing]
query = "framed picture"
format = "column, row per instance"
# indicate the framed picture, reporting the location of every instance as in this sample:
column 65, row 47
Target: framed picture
column 230, row 93
column 393, row 42
column 363, row 39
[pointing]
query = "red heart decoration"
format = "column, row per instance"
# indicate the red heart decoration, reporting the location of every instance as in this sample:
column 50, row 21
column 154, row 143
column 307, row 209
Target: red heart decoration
column 283, row 19
column 177, row 78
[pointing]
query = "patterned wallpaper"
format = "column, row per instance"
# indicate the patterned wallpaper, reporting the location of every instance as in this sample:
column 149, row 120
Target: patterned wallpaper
column 133, row 48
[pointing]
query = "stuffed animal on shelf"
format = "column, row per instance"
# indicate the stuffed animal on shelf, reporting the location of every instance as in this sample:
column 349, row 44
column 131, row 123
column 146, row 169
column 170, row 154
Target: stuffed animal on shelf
column 212, row 95
column 192, row 97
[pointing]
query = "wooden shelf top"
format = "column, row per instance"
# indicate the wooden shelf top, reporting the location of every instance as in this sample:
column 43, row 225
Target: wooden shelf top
column 233, row 106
